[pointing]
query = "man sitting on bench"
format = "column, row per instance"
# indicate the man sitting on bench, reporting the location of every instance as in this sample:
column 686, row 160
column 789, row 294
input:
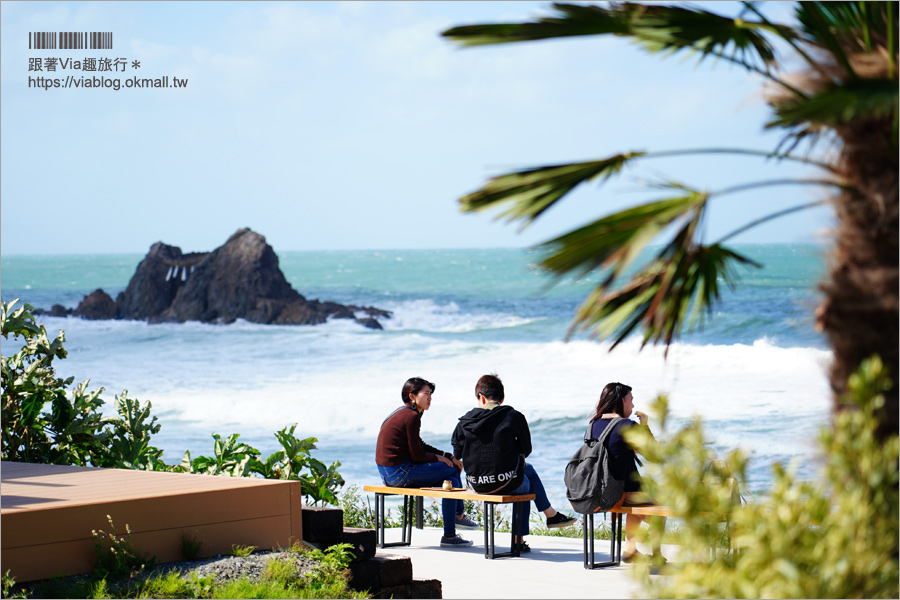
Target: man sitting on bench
column 493, row 441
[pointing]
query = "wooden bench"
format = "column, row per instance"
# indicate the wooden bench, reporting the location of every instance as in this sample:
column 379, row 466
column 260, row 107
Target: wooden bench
column 615, row 541
column 520, row 513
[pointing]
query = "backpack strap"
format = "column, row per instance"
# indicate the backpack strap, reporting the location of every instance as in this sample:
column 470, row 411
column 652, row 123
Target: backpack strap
column 606, row 432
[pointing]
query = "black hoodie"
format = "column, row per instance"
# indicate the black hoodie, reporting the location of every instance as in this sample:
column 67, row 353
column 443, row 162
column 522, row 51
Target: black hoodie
column 492, row 445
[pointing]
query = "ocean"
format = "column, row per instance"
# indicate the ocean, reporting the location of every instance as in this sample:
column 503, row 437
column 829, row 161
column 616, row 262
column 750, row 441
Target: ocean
column 756, row 372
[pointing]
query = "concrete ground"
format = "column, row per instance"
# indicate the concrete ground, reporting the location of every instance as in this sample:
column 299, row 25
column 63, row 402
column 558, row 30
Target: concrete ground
column 553, row 569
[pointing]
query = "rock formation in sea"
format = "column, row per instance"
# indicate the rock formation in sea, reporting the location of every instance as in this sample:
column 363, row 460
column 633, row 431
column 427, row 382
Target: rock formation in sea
column 238, row 280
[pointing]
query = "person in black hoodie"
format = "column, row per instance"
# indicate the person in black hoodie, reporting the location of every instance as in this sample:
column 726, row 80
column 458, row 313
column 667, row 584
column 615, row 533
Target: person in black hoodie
column 492, row 441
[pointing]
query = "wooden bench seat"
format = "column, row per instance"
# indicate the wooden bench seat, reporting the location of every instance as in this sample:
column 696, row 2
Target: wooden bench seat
column 519, row 503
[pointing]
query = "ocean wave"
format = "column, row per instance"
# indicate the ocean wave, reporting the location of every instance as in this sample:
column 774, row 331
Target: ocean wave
column 446, row 317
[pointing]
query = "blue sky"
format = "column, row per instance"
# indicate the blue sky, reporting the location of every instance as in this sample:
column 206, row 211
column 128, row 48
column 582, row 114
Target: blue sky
column 352, row 125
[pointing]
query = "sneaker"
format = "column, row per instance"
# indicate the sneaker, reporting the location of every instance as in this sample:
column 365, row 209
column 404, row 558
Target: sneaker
column 524, row 548
column 560, row 520
column 464, row 522
column 454, row 542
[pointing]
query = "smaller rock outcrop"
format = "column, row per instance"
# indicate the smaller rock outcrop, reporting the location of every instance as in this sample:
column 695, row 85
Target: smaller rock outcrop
column 57, row 310
column 97, row 305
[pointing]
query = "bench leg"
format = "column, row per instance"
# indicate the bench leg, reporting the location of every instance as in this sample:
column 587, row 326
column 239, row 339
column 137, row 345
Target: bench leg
column 420, row 512
column 519, row 513
column 488, row 529
column 615, row 542
column 405, row 523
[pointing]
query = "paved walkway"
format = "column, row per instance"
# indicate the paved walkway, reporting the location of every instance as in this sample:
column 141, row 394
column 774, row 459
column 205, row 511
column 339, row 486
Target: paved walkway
column 553, row 569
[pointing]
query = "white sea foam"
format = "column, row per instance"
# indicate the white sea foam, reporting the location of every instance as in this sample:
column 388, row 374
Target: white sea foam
column 428, row 315
column 732, row 387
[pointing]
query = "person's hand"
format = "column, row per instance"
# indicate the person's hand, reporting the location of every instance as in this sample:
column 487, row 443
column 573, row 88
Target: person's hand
column 458, row 464
column 446, row 461
column 642, row 417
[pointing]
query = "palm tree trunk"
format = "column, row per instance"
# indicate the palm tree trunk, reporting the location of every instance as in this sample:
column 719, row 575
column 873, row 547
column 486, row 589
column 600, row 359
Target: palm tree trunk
column 860, row 311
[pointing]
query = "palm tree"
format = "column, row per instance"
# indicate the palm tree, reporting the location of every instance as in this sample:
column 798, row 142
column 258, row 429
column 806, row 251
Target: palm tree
column 844, row 101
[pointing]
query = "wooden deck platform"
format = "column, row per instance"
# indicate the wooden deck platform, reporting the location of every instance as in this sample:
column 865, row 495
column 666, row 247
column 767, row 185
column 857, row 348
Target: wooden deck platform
column 48, row 512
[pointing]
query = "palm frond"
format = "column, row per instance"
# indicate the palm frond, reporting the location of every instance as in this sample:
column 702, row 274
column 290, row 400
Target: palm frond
column 616, row 241
column 675, row 292
column 845, row 26
column 838, row 104
column 658, row 28
column 532, row 191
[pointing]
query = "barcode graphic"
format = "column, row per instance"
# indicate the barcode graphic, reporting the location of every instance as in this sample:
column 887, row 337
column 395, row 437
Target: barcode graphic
column 70, row 40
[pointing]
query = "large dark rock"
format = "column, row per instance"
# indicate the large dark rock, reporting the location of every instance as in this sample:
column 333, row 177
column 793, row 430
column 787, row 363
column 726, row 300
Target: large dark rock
column 239, row 280
column 97, row 305
column 156, row 281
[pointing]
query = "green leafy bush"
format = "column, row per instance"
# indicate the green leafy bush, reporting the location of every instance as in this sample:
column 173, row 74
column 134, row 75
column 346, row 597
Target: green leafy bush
column 831, row 539
column 358, row 512
column 129, row 444
column 293, row 462
column 44, row 421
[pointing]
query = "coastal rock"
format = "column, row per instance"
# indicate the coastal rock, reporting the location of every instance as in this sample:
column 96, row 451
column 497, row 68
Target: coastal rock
column 156, row 281
column 239, row 280
column 57, row 310
column 370, row 323
column 97, row 305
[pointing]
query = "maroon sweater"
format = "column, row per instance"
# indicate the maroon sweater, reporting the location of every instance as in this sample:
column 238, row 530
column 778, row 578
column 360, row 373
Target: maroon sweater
column 399, row 440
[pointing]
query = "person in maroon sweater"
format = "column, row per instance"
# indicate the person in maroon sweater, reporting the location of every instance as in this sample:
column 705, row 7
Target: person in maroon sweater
column 404, row 460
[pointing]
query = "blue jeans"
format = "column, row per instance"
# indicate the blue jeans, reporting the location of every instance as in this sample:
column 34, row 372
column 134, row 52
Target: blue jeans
column 411, row 474
column 531, row 485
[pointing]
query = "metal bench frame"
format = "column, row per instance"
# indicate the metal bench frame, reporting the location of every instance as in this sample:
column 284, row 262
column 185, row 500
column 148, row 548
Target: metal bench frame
column 519, row 509
column 615, row 539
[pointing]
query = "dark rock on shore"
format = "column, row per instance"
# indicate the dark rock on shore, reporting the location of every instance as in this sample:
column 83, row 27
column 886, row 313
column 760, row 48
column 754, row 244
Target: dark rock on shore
column 57, row 310
column 97, row 305
column 239, row 280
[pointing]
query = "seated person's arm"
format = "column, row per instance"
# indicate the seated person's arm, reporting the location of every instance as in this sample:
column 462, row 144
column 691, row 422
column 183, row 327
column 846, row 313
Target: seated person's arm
column 523, row 434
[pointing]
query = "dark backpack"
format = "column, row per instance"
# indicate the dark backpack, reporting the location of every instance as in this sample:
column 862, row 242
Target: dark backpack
column 590, row 485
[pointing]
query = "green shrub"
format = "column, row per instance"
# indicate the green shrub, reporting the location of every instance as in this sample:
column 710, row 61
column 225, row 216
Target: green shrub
column 238, row 550
column 9, row 587
column 116, row 556
column 831, row 539
column 319, row 482
column 44, row 421
column 190, row 546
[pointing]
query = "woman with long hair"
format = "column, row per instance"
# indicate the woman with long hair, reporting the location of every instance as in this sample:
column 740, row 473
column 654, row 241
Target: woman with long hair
column 616, row 401
column 404, row 460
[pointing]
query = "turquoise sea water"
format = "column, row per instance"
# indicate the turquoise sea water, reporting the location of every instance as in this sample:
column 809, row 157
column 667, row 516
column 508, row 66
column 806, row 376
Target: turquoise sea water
column 756, row 371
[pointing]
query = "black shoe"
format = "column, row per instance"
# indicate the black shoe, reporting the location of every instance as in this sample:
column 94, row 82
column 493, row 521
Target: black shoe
column 465, row 522
column 560, row 520
column 454, row 542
